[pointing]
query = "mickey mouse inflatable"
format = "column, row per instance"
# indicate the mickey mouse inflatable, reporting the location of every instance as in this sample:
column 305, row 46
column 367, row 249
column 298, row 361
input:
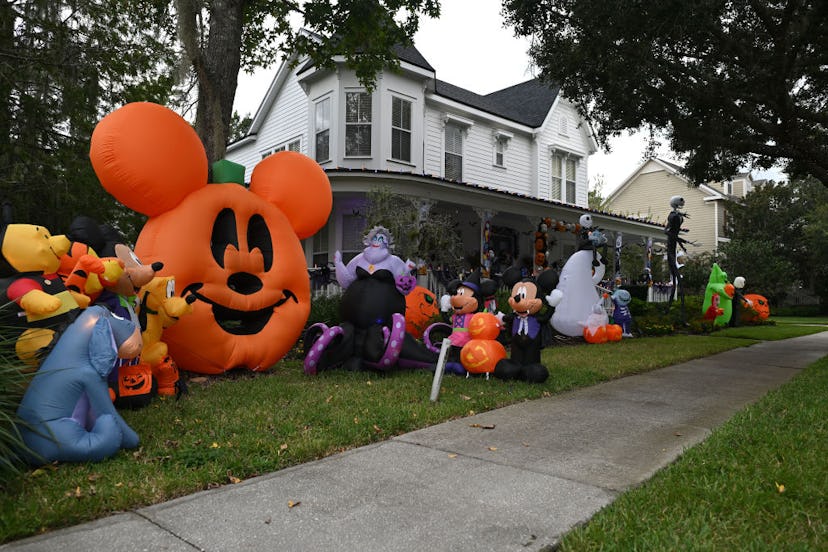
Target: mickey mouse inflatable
column 530, row 313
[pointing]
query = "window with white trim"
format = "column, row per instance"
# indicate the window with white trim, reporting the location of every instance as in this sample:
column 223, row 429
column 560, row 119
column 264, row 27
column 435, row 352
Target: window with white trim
column 500, row 151
column 570, row 180
column 320, row 247
column 453, row 169
column 293, row 145
column 563, row 176
column 400, row 129
column 357, row 124
column 556, row 190
column 323, row 130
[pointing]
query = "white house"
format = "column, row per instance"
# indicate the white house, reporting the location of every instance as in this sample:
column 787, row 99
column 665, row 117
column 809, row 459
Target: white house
column 504, row 160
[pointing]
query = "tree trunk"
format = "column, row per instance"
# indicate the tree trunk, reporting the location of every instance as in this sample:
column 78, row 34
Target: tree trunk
column 216, row 59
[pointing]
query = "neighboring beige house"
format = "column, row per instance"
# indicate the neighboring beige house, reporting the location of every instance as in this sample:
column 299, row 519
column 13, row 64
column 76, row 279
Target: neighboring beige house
column 646, row 195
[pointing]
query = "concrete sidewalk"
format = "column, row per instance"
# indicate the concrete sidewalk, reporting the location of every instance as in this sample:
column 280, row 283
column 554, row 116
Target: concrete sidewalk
column 516, row 478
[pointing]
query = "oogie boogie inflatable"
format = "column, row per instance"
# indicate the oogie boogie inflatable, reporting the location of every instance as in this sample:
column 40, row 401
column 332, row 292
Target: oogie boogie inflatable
column 236, row 250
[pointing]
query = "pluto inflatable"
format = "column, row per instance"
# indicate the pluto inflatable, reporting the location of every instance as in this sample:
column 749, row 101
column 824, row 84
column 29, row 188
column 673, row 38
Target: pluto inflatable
column 236, row 250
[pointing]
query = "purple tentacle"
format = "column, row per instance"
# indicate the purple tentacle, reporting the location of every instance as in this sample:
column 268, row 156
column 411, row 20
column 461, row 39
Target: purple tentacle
column 434, row 347
column 318, row 347
column 394, row 343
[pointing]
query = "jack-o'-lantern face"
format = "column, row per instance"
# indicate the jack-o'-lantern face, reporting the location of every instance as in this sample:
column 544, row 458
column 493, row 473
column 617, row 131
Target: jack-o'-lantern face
column 480, row 356
column 420, row 309
column 237, row 251
column 484, row 325
column 755, row 307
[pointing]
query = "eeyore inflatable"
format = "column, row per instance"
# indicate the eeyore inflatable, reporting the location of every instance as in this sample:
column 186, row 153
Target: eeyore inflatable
column 66, row 412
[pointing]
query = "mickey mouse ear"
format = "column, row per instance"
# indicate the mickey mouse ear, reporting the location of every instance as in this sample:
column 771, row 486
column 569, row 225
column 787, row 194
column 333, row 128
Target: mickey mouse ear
column 298, row 186
column 148, row 157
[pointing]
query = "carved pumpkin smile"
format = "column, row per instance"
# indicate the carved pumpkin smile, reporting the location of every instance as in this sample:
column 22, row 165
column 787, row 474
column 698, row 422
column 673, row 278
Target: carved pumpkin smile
column 240, row 322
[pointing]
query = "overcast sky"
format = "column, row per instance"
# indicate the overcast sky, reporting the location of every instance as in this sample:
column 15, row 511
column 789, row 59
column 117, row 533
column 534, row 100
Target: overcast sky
column 469, row 47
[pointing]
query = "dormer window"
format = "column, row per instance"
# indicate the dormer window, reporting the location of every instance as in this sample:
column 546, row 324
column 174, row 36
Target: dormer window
column 501, row 142
column 357, row 124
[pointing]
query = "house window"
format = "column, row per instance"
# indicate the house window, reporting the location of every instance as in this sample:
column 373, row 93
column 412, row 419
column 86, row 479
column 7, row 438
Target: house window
column 500, row 152
column 323, row 130
column 557, row 181
column 454, row 152
column 563, row 177
column 353, row 227
column 570, row 180
column 728, row 188
column 357, row 124
column 320, row 247
column 293, row 145
column 400, row 129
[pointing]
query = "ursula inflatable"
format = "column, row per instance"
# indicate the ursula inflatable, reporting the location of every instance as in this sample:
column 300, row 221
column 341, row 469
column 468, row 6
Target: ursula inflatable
column 67, row 414
column 372, row 333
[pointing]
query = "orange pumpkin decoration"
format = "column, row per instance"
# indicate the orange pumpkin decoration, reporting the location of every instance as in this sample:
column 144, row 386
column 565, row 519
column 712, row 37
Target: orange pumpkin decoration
column 729, row 290
column 420, row 308
column 484, row 325
column 479, row 356
column 614, row 332
column 598, row 335
column 758, row 310
column 236, row 250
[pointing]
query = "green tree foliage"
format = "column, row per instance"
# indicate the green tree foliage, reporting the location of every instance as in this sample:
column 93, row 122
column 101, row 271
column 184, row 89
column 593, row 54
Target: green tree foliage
column 420, row 234
column 62, row 66
column 779, row 238
column 222, row 37
column 733, row 83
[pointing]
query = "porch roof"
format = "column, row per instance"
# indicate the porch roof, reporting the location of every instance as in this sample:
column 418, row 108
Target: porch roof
column 483, row 197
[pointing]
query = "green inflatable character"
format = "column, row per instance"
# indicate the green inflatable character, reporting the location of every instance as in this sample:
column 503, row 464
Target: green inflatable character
column 717, row 284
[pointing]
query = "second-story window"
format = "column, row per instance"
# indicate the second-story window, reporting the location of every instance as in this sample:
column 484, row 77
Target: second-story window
column 556, row 190
column 357, row 124
column 323, row 130
column 454, row 152
column 500, row 152
column 570, row 180
column 400, row 129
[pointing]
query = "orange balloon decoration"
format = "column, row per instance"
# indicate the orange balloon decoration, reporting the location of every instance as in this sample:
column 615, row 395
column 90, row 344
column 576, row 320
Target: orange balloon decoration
column 614, row 332
column 597, row 335
column 479, row 356
column 484, row 325
column 236, row 250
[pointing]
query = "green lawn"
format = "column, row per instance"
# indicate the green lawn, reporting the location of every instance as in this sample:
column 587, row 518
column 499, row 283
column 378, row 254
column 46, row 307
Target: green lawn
column 759, row 482
column 240, row 425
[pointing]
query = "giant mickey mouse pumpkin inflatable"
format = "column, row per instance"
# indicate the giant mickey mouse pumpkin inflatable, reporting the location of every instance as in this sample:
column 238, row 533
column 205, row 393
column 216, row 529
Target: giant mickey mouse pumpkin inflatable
column 236, row 250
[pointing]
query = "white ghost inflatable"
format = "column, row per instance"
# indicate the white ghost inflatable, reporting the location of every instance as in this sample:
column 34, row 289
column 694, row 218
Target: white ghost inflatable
column 578, row 293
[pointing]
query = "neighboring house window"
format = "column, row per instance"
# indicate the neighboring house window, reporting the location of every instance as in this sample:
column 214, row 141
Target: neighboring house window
column 728, row 188
column 454, row 152
column 570, row 180
column 357, row 124
column 320, row 247
column 323, row 130
column 293, row 145
column 557, row 169
column 353, row 227
column 400, row 129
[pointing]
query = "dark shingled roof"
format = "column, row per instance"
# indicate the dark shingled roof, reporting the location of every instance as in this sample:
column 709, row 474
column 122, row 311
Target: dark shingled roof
column 409, row 54
column 527, row 103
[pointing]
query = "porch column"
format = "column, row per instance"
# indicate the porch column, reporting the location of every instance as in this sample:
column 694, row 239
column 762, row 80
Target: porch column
column 486, row 253
column 423, row 209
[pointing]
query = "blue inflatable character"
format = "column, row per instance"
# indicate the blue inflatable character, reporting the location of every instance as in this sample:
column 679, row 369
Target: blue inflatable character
column 67, row 412
column 621, row 315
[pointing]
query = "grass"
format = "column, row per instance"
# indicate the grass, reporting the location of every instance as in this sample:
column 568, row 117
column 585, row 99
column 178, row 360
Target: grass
column 759, row 482
column 241, row 425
